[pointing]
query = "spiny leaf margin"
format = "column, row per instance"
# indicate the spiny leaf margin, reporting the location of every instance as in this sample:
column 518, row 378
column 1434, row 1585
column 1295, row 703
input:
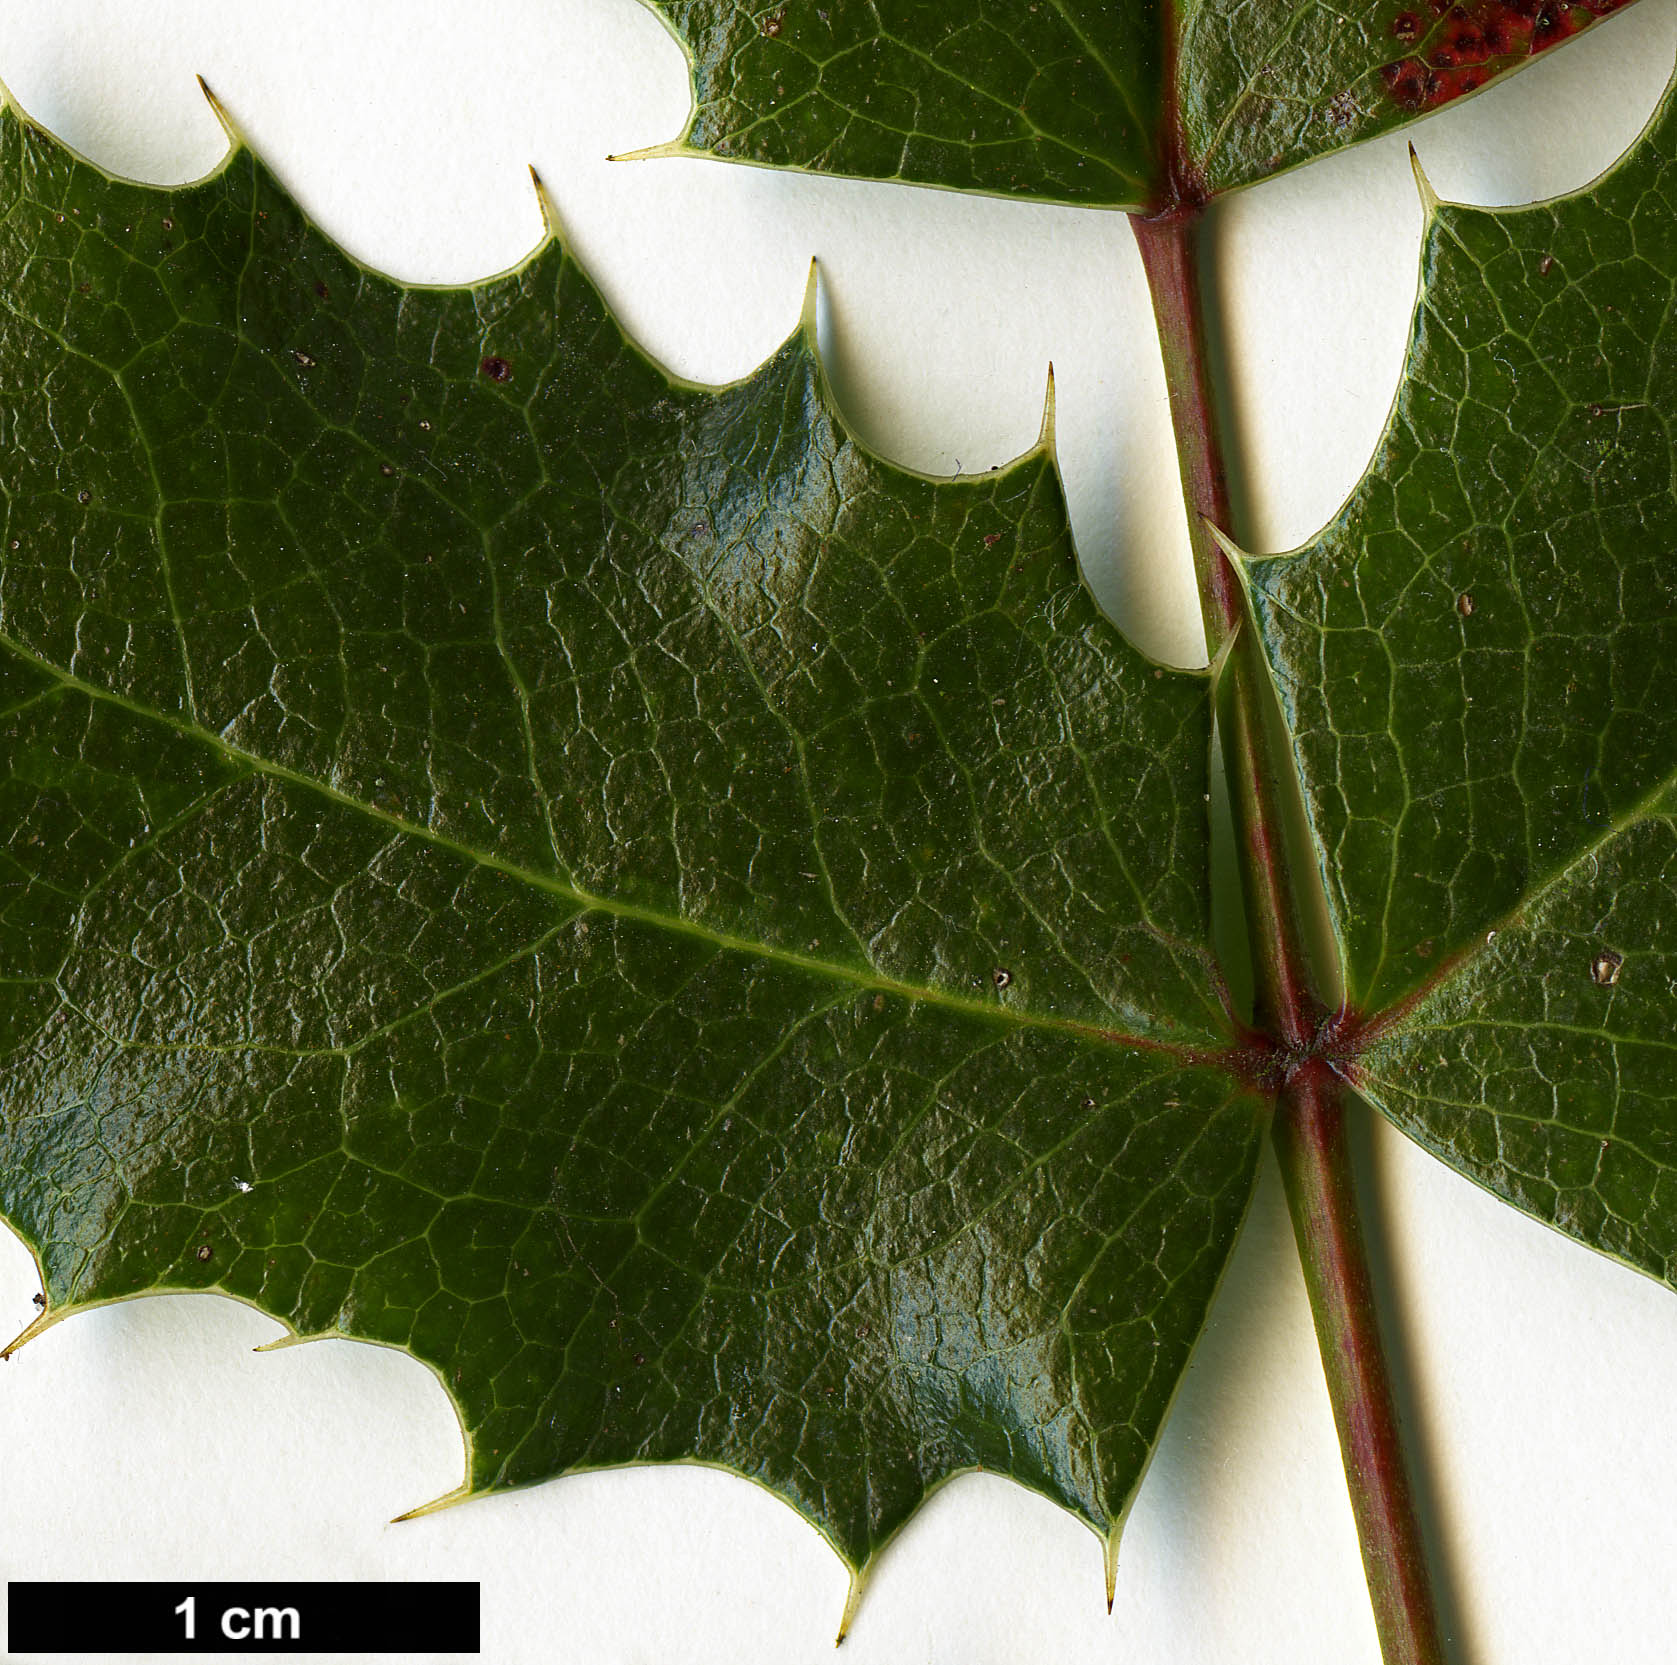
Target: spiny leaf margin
column 1136, row 106
column 129, row 757
column 1496, row 808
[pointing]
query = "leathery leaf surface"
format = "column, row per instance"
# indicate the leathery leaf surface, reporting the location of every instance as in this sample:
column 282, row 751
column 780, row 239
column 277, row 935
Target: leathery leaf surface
column 693, row 932
column 1480, row 661
column 1108, row 103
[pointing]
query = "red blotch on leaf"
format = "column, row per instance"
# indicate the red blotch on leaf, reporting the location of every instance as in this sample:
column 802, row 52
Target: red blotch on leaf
column 1406, row 82
column 1477, row 39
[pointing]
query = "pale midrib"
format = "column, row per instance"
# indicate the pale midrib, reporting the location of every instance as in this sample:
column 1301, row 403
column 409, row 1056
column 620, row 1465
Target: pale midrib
column 675, row 924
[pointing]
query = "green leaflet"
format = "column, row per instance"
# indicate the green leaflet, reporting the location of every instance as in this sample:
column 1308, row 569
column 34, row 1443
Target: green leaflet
column 1107, row 103
column 693, row 932
column 1477, row 660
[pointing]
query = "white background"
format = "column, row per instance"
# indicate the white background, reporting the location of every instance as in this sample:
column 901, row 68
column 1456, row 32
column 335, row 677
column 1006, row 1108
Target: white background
column 149, row 1441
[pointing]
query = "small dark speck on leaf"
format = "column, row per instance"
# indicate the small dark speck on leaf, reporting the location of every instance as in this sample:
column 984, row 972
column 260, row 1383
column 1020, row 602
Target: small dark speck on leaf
column 84, row 497
column 879, row 1003
column 991, row 539
column 322, row 291
column 1406, row 26
column 1423, row 950
column 1464, row 605
column 84, row 288
column 1088, row 1104
column 386, row 470
column 303, row 359
column 1546, row 265
column 39, row 1299
column 773, row 23
column 640, row 1358
column 1595, row 410
column 1605, row 968
column 168, row 225
column 1001, row 977
column 204, row 1251
column 496, row 369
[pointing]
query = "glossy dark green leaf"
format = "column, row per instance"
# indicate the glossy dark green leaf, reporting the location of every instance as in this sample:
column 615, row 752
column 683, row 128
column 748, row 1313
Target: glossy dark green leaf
column 1479, row 659
column 693, row 932
column 1108, row 103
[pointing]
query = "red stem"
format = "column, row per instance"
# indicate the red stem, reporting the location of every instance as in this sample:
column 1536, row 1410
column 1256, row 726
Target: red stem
column 1167, row 243
column 1259, row 772
column 1295, row 997
column 1309, row 1136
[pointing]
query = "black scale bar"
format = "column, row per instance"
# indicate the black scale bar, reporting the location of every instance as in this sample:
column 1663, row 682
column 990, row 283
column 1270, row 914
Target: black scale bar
column 114, row 1619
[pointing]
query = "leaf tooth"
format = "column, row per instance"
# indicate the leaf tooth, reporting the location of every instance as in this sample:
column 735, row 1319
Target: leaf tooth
column 235, row 135
column 437, row 1504
column 1429, row 197
column 44, row 1321
column 1110, row 1545
column 281, row 1342
column 1045, row 436
column 658, row 153
column 553, row 231
column 1238, row 558
column 852, row 1600
column 808, row 313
